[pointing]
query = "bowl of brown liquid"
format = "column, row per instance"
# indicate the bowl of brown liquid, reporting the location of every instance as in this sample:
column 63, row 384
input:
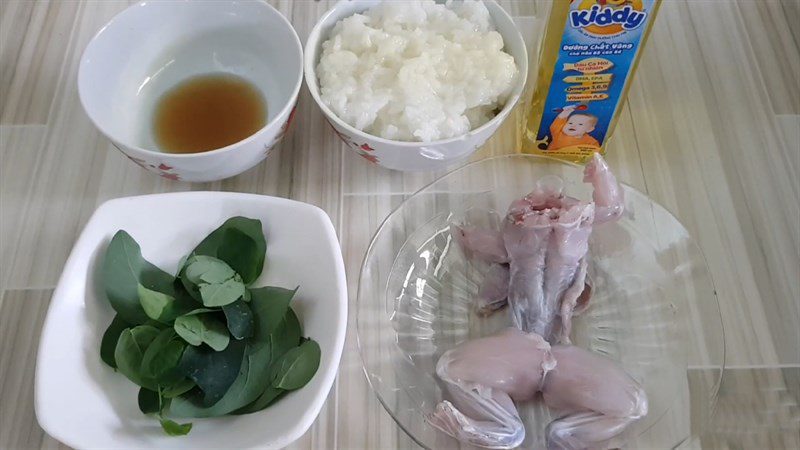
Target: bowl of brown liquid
column 193, row 91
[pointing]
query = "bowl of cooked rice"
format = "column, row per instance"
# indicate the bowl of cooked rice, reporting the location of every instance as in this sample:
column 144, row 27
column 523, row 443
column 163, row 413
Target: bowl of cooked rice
column 415, row 85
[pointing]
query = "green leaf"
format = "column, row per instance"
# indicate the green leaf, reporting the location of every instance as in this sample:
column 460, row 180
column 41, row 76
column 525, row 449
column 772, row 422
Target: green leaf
column 202, row 327
column 254, row 248
column 222, row 294
column 123, row 270
column 160, row 360
column 239, row 318
column 110, row 338
column 285, row 338
column 213, row 372
column 297, row 366
column 253, row 377
column 243, row 253
column 199, row 268
column 249, row 383
column 129, row 352
column 175, row 429
column 162, row 307
column 178, row 388
column 288, row 334
column 148, row 401
column 207, row 269
column 269, row 304
column 268, row 397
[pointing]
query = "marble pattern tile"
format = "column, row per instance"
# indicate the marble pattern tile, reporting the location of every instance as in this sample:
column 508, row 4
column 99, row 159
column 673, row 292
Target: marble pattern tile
column 21, row 317
column 19, row 149
column 34, row 38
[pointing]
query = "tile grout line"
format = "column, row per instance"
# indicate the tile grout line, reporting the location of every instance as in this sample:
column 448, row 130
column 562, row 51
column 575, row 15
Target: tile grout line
column 23, row 126
column 744, row 367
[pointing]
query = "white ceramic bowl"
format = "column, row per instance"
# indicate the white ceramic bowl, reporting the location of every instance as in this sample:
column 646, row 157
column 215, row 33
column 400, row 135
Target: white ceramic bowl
column 85, row 404
column 151, row 46
column 412, row 156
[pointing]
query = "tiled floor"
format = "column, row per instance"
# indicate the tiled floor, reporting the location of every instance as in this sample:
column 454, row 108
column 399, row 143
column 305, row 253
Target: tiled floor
column 711, row 131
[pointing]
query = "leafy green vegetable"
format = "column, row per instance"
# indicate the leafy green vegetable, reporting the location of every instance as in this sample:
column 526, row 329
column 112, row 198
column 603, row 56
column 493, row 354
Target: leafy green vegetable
column 202, row 327
column 271, row 303
column 178, row 388
column 268, row 397
column 285, row 338
column 250, row 381
column 250, row 264
column 213, row 372
column 148, row 401
column 239, row 318
column 181, row 354
column 129, row 353
column 160, row 360
column 244, row 254
column 297, row 366
column 110, row 338
column 207, row 269
column 124, row 269
column 252, row 377
column 175, row 429
column 162, row 307
column 221, row 294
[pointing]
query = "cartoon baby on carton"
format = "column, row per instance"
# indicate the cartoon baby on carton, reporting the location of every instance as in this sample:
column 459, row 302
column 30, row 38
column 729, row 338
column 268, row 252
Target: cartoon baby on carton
column 571, row 128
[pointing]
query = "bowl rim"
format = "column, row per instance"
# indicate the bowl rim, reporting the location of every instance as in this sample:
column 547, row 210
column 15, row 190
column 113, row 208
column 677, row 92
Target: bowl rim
column 312, row 81
column 340, row 296
column 717, row 382
column 121, row 16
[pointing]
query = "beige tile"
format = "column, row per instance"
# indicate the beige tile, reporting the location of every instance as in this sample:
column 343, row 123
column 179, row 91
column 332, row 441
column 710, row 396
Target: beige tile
column 763, row 184
column 70, row 173
column 35, row 36
column 21, row 317
column 19, row 150
column 358, row 404
column 696, row 130
column 791, row 9
column 756, row 408
column 767, row 31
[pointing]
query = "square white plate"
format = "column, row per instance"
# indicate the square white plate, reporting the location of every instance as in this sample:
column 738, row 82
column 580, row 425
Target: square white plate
column 85, row 404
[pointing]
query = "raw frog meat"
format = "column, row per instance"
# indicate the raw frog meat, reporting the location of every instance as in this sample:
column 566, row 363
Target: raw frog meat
column 539, row 255
column 484, row 378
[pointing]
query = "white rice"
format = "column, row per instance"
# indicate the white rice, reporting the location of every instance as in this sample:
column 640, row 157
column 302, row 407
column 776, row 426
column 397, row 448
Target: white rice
column 416, row 70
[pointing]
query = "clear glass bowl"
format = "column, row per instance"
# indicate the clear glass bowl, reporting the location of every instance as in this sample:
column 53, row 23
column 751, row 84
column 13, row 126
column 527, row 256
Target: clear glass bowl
column 653, row 308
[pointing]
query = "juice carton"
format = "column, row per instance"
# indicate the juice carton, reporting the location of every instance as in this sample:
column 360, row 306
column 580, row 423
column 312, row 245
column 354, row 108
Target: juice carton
column 590, row 50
